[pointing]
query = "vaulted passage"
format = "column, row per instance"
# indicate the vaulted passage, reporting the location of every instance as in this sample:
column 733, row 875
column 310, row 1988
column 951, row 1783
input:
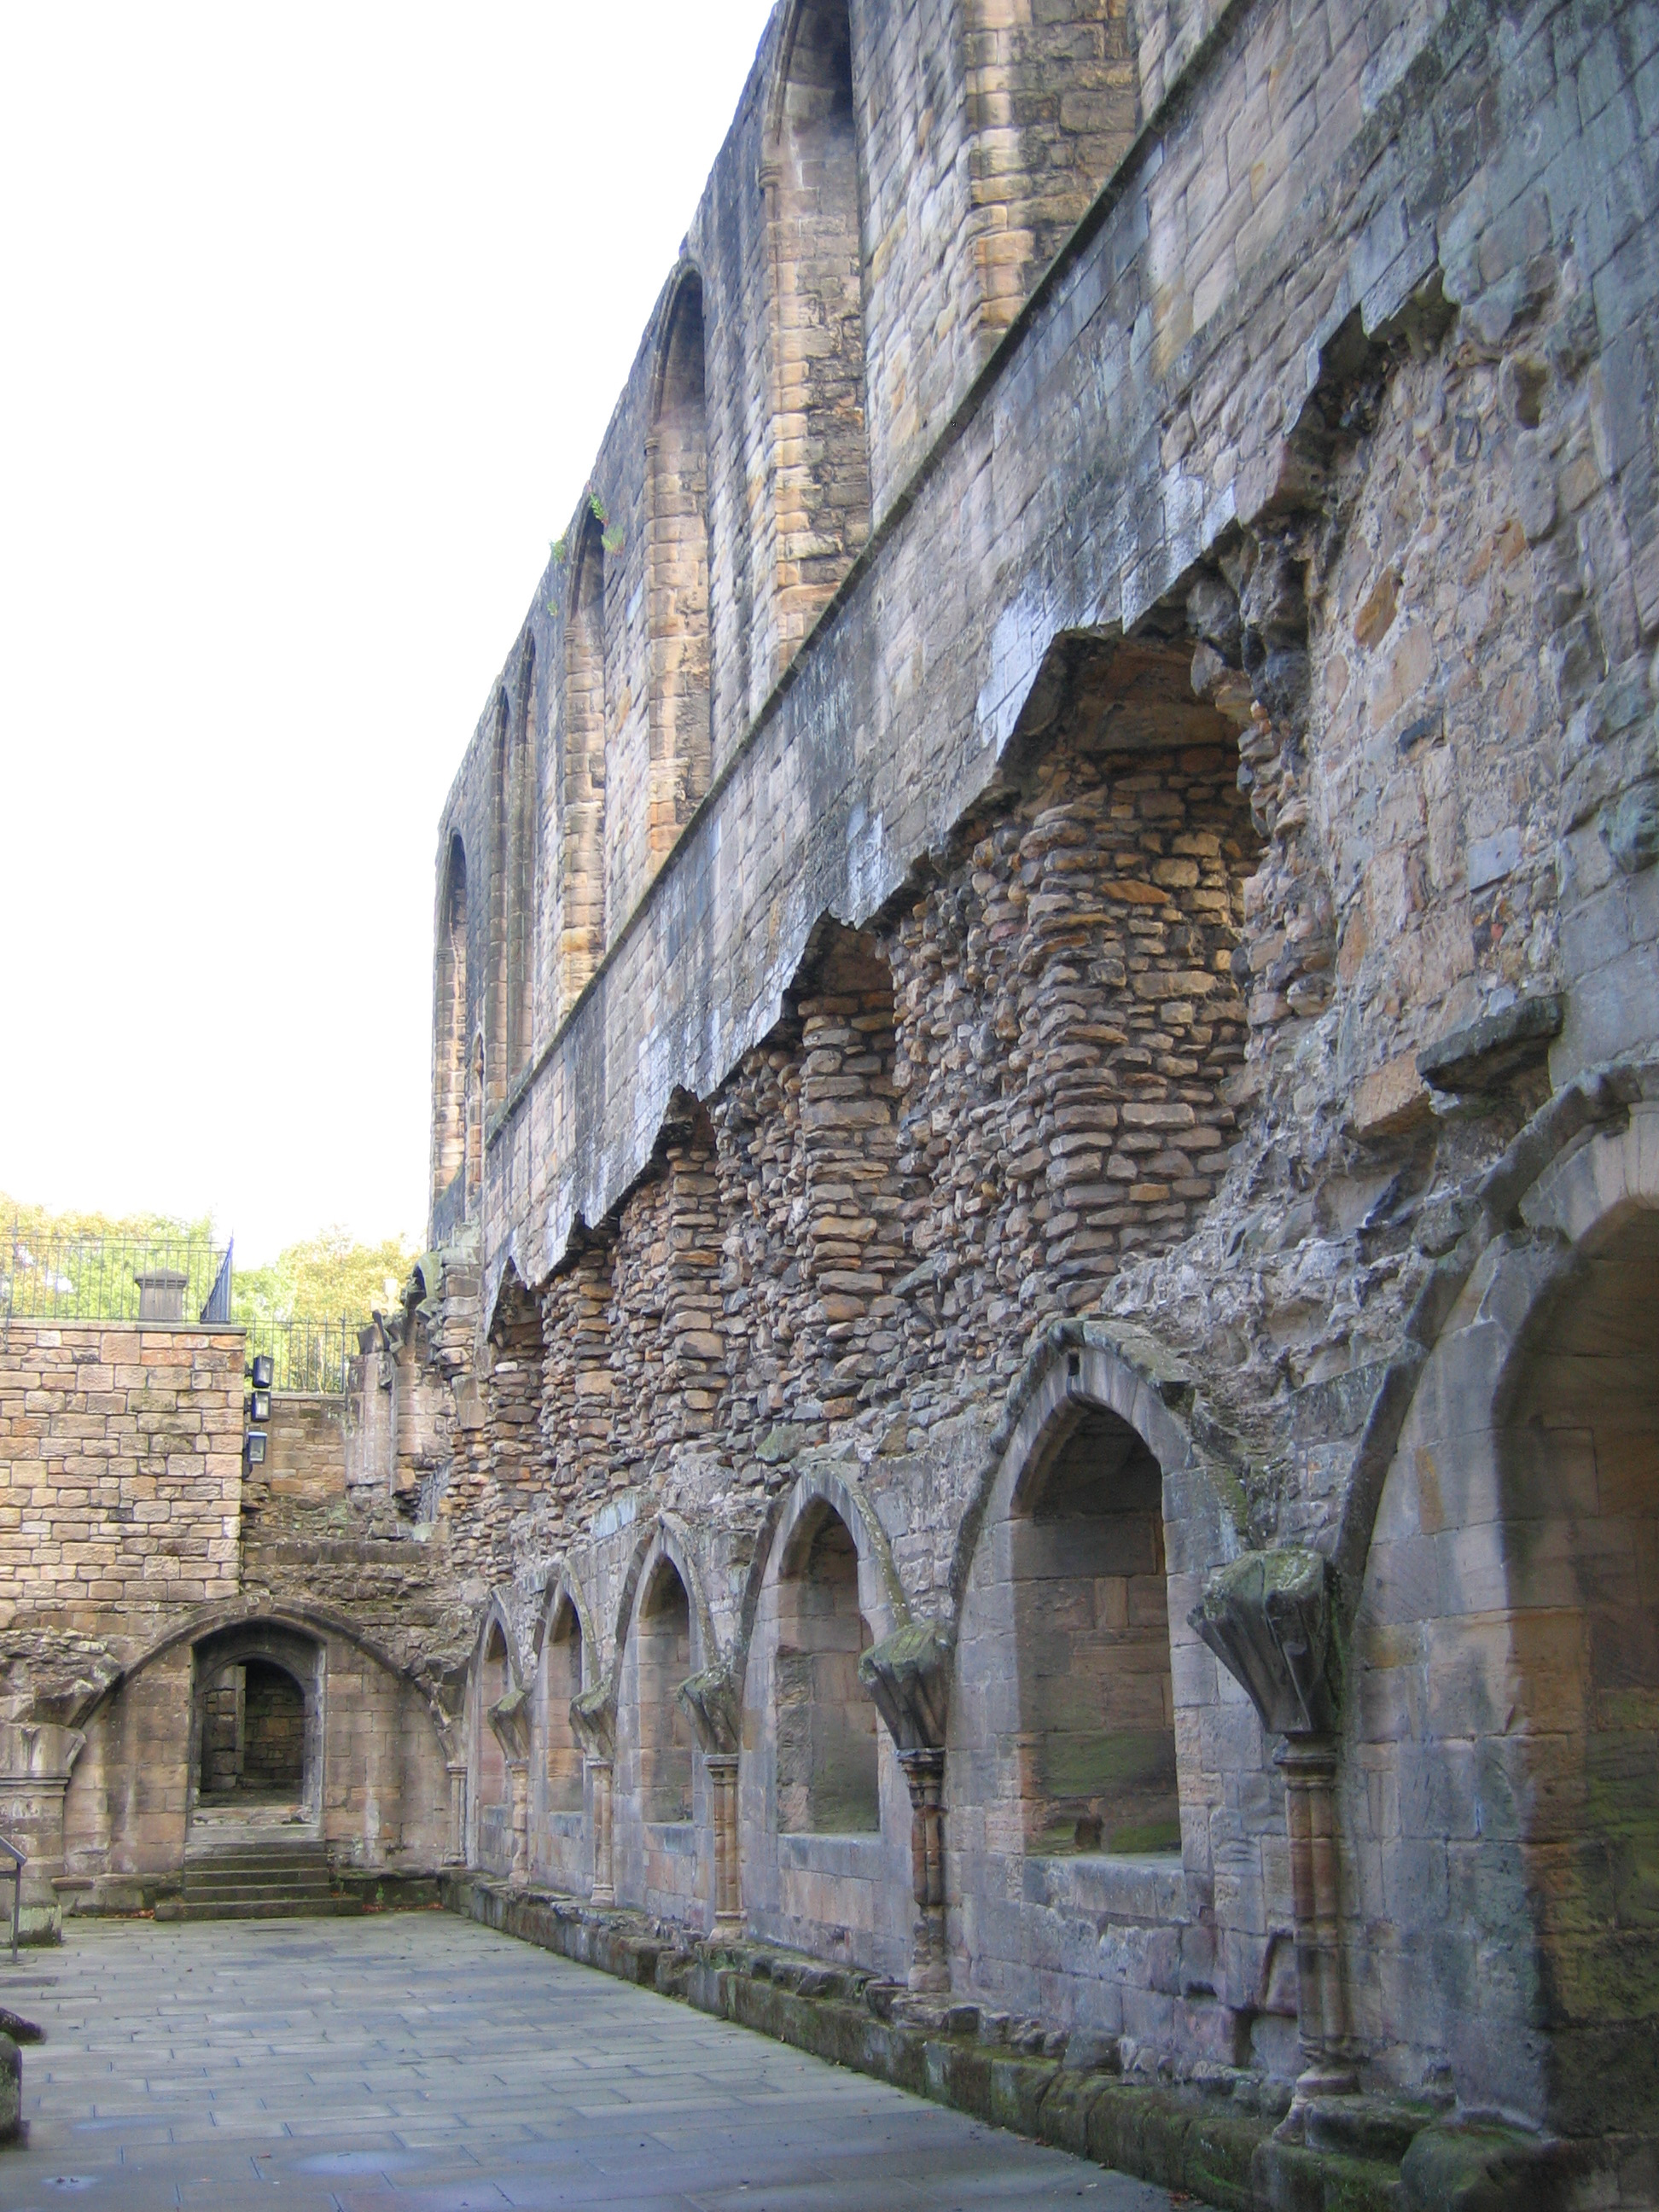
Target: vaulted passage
column 274, row 1729
column 823, row 468
column 826, row 1740
column 1092, row 1620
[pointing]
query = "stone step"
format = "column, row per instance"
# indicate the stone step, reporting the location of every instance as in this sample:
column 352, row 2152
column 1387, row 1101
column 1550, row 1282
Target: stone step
column 313, row 1908
column 264, row 1879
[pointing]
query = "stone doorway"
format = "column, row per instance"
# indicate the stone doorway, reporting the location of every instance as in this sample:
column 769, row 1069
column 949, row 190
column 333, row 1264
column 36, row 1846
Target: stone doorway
column 256, row 1732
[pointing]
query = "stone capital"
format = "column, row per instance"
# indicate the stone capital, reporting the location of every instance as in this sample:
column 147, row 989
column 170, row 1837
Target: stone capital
column 1268, row 1616
column 510, row 1720
column 714, row 1703
column 593, row 1716
column 907, row 1675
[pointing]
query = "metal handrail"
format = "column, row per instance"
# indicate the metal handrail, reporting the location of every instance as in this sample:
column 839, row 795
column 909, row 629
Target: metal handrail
column 19, row 1860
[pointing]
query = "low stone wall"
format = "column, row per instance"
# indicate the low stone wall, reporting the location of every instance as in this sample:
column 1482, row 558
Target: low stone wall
column 1208, row 2136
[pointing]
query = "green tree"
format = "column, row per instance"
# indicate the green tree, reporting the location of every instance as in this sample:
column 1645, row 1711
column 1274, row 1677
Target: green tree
column 328, row 1277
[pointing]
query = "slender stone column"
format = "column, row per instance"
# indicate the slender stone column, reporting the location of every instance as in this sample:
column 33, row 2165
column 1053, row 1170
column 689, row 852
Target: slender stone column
column 593, row 1716
column 518, row 1772
column 907, row 1675
column 604, row 1891
column 1269, row 1618
column 722, row 1767
column 930, row 1957
column 1308, row 1766
column 456, row 1770
column 714, row 1707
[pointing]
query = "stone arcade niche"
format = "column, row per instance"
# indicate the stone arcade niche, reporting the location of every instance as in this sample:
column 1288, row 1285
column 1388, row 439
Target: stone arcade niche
column 1091, row 1627
column 494, row 1795
column 662, row 1639
column 680, row 729
column 582, row 773
column 449, row 1019
column 822, row 459
column 1579, row 1453
column 562, row 1672
column 826, row 1725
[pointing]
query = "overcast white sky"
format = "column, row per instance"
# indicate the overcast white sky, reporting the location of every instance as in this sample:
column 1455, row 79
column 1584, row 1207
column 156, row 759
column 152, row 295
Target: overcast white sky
column 312, row 317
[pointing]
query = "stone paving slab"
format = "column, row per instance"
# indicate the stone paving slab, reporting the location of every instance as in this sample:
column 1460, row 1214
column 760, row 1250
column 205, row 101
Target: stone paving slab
column 418, row 2062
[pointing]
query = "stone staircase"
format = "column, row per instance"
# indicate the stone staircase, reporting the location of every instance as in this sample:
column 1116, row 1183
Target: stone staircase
column 277, row 1879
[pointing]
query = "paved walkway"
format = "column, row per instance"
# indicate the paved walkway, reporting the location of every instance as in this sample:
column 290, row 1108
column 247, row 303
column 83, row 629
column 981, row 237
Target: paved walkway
column 417, row 2062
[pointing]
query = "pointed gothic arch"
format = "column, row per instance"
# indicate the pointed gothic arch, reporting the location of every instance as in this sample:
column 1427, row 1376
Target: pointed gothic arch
column 821, row 459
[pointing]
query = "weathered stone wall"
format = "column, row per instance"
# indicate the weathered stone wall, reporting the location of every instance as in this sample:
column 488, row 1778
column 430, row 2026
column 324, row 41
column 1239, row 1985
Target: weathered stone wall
column 120, row 1470
column 307, row 1450
column 1135, row 963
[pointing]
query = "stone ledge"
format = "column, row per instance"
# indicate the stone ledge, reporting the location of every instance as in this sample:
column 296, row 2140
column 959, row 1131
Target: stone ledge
column 1189, row 2138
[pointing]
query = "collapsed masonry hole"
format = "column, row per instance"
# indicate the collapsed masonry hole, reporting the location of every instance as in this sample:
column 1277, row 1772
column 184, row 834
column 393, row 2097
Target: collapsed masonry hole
column 827, row 1768
column 1091, row 1629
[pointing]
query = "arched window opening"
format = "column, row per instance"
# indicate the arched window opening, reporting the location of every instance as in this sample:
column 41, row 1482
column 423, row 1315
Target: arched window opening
column 681, row 744
column 664, row 1632
column 561, row 1662
column 515, row 794
column 582, row 793
column 449, row 1029
column 1091, row 1624
column 821, row 455
column 495, row 1805
column 826, row 1738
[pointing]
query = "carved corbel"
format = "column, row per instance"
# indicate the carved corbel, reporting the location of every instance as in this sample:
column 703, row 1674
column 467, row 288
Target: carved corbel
column 509, row 1720
column 907, row 1675
column 593, row 1716
column 714, row 1706
column 1270, row 1618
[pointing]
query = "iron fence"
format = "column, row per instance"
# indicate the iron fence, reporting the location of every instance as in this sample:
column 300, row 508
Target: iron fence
column 313, row 1356
column 112, row 1277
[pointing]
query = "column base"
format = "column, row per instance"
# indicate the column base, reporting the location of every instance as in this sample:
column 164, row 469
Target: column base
column 729, row 1927
column 601, row 1895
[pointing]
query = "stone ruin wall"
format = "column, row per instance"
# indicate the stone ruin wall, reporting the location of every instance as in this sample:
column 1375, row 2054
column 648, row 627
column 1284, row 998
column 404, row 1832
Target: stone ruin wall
column 1252, row 693
column 1158, row 947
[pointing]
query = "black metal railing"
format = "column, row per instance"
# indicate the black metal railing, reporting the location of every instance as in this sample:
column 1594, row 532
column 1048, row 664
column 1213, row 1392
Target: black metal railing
column 313, row 1356
column 57, row 1278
